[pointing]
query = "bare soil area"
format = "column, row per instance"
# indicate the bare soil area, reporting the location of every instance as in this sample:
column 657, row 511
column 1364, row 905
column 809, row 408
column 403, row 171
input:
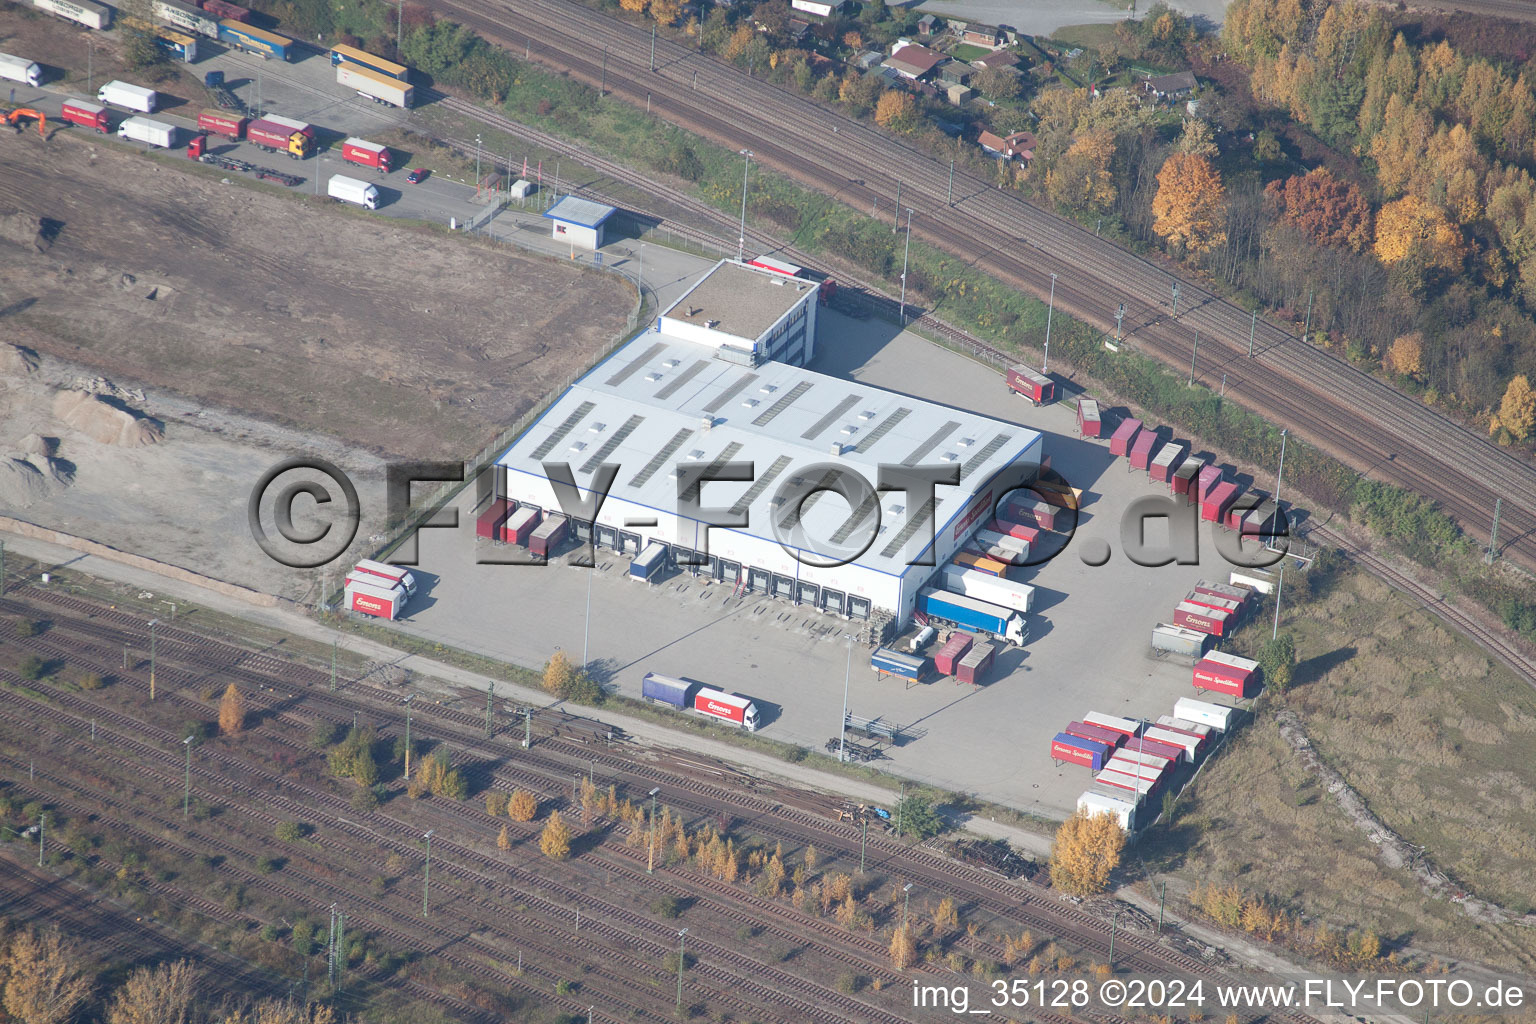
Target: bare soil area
column 396, row 338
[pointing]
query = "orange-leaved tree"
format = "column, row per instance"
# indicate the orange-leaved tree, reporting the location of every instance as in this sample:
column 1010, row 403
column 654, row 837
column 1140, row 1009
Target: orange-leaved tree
column 897, row 111
column 556, row 838
column 232, row 711
column 1189, row 210
column 1085, row 853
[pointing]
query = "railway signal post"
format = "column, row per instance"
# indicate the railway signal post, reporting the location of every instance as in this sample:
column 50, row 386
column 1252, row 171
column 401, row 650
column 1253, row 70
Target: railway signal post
column 152, row 624
column 426, row 874
column 680, row 971
column 650, row 863
column 186, row 792
column 1049, row 313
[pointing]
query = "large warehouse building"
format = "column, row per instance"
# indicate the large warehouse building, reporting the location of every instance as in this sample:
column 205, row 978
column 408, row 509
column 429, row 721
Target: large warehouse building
column 705, row 389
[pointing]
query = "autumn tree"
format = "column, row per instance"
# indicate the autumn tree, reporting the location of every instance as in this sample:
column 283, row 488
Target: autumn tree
column 1085, row 853
column 523, row 806
column 558, row 674
column 232, row 711
column 1517, row 412
column 853, row 40
column 666, row 12
column 999, row 84
column 903, row 949
column 1082, row 178
column 46, row 980
column 281, row 1011
column 353, row 757
column 438, row 777
column 1189, row 209
column 945, row 918
column 155, row 995
column 1417, row 241
column 1197, row 138
column 555, row 840
column 504, row 840
column 897, row 111
column 634, row 6
column 1328, row 211
column 1405, row 356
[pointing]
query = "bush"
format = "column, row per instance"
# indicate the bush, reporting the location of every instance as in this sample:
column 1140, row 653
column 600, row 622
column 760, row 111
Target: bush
column 365, row 800
column 28, row 627
column 669, row 907
column 322, row 734
column 495, row 803
column 916, row 816
column 90, row 681
column 265, row 865
column 290, row 831
column 32, row 668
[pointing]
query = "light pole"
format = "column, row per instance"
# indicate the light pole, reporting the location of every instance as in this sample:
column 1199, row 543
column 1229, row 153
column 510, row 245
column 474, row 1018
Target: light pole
column 905, row 249
column 863, row 840
column 408, row 736
column 842, row 729
column 905, row 901
column 1274, row 631
column 680, row 971
column 650, row 864
column 1175, row 300
column 186, row 792
column 399, row 25
column 1194, row 356
column 1253, row 325
column 586, row 628
column 90, row 65
column 1113, row 922
column 1049, row 312
column 152, row 624
column 426, row 876
column 1119, row 318
column 1281, row 471
column 477, row 164
column 741, row 240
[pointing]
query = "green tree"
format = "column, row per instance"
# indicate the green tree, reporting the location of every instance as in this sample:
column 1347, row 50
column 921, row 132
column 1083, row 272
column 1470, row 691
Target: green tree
column 1277, row 659
column 139, row 49
column 916, row 816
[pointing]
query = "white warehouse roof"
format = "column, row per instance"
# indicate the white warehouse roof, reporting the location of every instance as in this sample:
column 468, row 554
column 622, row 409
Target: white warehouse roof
column 646, row 408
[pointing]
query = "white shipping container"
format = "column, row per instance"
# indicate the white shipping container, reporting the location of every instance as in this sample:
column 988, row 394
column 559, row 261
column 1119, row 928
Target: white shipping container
column 152, row 133
column 1190, row 744
column 19, row 69
column 984, row 587
column 924, row 638
column 1121, row 762
column 1242, row 664
column 1258, row 579
column 374, row 85
column 1179, row 723
column 1156, row 762
column 1217, row 716
column 1121, row 725
column 352, row 190
column 390, row 572
column 1118, row 779
column 522, row 189
column 1123, row 809
column 993, row 539
column 134, row 97
column 84, row 12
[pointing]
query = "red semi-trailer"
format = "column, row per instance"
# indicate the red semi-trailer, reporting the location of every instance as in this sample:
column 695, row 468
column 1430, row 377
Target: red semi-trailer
column 1088, row 422
column 488, row 524
column 948, row 657
column 87, row 115
column 366, row 154
column 1035, row 386
column 218, row 122
column 1124, row 436
column 1097, row 733
column 1141, row 452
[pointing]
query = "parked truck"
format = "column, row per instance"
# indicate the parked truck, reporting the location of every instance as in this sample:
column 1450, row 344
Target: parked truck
column 221, row 122
column 969, row 613
column 353, row 190
column 983, row 587
column 706, row 700
column 123, row 94
column 19, row 69
column 389, row 575
column 282, row 135
column 151, row 133
column 87, row 115
column 377, row 87
column 81, row 12
column 1036, row 387
column 366, row 154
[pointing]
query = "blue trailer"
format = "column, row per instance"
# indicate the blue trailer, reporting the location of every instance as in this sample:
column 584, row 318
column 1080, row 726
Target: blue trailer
column 667, row 690
column 907, row 666
column 969, row 613
column 254, row 40
column 648, row 562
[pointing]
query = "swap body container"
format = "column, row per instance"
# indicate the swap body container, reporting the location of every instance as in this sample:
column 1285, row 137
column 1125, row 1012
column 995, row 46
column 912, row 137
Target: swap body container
column 1124, row 436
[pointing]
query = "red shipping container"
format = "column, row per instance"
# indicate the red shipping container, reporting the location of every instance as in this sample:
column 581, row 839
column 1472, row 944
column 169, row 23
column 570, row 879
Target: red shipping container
column 948, row 657
column 1184, row 480
column 1160, row 764
column 1122, row 781
column 1031, row 509
column 1076, row 750
column 1222, row 678
column 1189, row 743
column 87, row 115
column 1017, row 531
column 384, row 602
column 1035, row 386
column 548, row 536
column 1167, row 461
column 1199, row 739
column 1169, row 750
column 489, row 523
column 1123, row 726
column 1141, row 452
column 217, row 122
column 1201, row 619
column 1220, row 604
column 224, row 9
column 1147, row 771
column 1097, row 733
column 1124, row 436
column 1232, row 593
column 520, row 525
column 973, row 667
column 1215, row 504
column 1088, row 423
column 1210, row 476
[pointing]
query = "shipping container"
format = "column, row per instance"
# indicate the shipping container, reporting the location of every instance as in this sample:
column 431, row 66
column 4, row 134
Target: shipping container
column 1183, row 481
column 264, row 44
column 1141, row 452
column 134, row 97
column 1035, row 386
column 1226, row 590
column 546, row 539
column 1260, row 580
column 980, row 563
column 1190, row 744
column 1213, row 507
column 1124, row 436
column 1059, row 495
column 976, row 663
column 1157, row 764
column 343, row 54
column 224, row 10
column 923, row 638
column 220, row 122
column 726, row 706
column 385, row 602
column 1007, row 556
column 1203, row 731
column 1225, row 673
column 1171, row 639
column 1122, row 809
column 1167, row 462
column 1025, row 507
column 520, row 525
column 948, row 656
column 1142, row 744
column 1152, row 769
column 992, row 540
column 1196, row 737
column 178, row 45
column 649, row 562
column 1112, row 776
column 87, row 114
column 1076, row 750
column 375, row 86
column 488, row 524
column 392, row 574
column 1210, row 476
column 1018, row 531
column 1088, row 423
column 984, row 587
column 1220, row 604
column 353, row 190
column 1003, row 623
column 282, row 135
column 893, row 663
column 366, row 154
column 660, row 689
column 1200, row 618
column 1097, row 733
column 151, row 133
column 20, row 69
column 186, row 17
column 1217, row 716
column 81, row 12
column 1124, row 726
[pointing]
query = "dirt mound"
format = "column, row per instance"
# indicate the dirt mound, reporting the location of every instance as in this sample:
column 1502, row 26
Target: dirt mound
column 105, row 421
column 21, row 483
column 36, row 444
column 23, row 229
column 17, row 360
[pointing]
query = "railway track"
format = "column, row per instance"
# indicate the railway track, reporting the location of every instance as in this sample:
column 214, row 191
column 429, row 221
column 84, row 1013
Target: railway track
column 1322, row 398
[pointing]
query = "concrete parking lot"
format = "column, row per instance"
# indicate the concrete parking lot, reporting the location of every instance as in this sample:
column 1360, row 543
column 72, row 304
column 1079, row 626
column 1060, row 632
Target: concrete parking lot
column 1088, row 651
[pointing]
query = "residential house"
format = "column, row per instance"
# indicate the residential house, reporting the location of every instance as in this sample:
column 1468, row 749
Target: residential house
column 1170, row 87
column 915, row 63
column 984, row 35
column 996, row 59
column 820, row 8
column 797, row 29
column 1018, row 146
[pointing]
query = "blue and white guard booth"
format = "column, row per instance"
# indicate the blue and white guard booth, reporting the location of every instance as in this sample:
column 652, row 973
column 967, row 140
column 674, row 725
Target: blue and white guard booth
column 579, row 222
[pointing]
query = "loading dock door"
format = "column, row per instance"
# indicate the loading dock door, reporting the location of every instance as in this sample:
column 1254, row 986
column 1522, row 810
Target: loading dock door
column 858, row 607
column 806, row 594
column 629, row 542
column 582, row 530
column 759, row 579
column 607, row 537
column 832, row 601
column 784, row 586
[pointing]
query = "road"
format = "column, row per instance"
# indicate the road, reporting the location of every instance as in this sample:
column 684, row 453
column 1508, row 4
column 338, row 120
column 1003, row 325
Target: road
column 1321, row 398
